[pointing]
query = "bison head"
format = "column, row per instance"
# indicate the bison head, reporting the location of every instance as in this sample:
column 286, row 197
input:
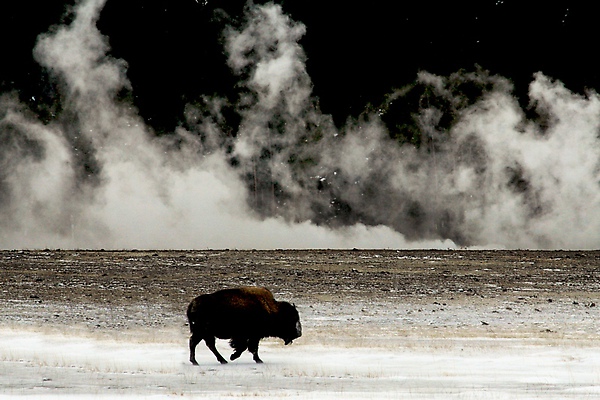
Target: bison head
column 290, row 327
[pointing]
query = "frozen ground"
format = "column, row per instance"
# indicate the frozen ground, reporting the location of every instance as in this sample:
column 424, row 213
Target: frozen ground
column 333, row 360
column 36, row 364
column 459, row 334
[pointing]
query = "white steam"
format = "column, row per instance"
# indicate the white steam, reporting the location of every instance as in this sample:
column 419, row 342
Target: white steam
column 145, row 195
column 97, row 176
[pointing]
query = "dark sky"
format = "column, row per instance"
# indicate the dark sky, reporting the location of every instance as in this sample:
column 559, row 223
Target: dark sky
column 356, row 54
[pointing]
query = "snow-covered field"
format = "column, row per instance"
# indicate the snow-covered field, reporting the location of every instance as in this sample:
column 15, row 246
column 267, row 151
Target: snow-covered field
column 335, row 358
column 376, row 325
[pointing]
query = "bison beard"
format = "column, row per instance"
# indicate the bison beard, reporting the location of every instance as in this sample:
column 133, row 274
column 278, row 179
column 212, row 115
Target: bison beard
column 243, row 315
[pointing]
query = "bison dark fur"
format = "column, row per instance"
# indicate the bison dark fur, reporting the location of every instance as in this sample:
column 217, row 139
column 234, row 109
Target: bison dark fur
column 243, row 315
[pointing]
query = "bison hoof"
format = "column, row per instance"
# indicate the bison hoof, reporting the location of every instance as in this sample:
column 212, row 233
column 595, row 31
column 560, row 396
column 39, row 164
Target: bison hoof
column 223, row 361
column 194, row 362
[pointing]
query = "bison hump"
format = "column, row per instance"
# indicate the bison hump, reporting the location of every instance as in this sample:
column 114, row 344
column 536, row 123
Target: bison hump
column 246, row 298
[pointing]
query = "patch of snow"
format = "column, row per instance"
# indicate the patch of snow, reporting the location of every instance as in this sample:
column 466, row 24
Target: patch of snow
column 37, row 363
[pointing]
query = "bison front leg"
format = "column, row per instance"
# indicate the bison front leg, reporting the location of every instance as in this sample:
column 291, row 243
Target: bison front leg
column 239, row 345
column 210, row 343
column 253, row 348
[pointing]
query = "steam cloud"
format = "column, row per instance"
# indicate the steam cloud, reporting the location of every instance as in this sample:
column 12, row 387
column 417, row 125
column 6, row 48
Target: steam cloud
column 466, row 167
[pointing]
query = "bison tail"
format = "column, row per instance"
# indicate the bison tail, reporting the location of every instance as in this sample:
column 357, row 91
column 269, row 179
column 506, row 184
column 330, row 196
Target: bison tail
column 196, row 314
column 193, row 321
column 191, row 316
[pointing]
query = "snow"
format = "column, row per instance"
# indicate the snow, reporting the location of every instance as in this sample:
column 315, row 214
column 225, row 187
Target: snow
column 71, row 364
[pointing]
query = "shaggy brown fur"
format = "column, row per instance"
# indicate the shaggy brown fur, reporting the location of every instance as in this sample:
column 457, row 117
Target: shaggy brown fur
column 244, row 315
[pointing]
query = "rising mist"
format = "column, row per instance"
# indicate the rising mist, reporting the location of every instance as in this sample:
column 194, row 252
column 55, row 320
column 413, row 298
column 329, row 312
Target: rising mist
column 447, row 161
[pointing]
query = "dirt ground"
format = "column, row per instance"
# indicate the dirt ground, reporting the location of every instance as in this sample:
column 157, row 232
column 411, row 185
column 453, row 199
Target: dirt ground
column 508, row 292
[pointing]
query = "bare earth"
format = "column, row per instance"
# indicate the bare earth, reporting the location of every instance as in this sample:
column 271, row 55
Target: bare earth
column 383, row 299
column 103, row 289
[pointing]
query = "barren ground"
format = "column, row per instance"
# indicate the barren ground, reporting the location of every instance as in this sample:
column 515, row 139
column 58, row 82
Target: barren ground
column 91, row 288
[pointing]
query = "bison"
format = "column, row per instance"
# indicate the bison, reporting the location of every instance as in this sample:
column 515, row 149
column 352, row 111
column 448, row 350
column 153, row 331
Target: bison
column 244, row 315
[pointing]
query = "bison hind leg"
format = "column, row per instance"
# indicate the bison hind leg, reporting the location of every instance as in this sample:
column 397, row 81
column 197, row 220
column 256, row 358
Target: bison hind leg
column 194, row 340
column 239, row 345
column 210, row 343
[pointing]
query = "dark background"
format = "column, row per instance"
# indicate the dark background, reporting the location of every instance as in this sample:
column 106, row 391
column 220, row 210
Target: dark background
column 357, row 52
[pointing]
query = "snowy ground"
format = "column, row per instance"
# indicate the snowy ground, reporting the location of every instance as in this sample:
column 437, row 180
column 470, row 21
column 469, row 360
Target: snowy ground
column 460, row 325
column 320, row 365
